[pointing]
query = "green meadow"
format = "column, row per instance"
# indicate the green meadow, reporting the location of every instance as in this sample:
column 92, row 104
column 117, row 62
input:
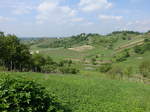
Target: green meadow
column 93, row 93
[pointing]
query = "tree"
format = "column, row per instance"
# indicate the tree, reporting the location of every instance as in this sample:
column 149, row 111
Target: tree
column 13, row 54
column 38, row 62
column 8, row 46
column 16, row 56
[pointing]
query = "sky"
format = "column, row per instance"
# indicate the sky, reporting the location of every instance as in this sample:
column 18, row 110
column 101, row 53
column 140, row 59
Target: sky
column 58, row 18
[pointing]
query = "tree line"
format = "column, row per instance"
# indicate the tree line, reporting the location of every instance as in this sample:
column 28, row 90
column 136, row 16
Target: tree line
column 15, row 55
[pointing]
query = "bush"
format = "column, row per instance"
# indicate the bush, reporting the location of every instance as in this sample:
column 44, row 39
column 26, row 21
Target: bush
column 26, row 96
column 93, row 60
column 49, row 69
column 105, row 68
column 128, row 71
column 116, row 71
column 65, row 63
column 122, row 56
column 144, row 68
column 143, row 48
column 70, row 70
column 139, row 49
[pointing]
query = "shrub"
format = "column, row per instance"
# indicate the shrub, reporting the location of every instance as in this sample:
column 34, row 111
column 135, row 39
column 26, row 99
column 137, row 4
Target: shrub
column 122, row 56
column 49, row 69
column 65, row 63
column 70, row 70
column 105, row 68
column 143, row 48
column 128, row 71
column 139, row 49
column 93, row 60
column 116, row 71
column 144, row 68
column 97, row 56
column 26, row 96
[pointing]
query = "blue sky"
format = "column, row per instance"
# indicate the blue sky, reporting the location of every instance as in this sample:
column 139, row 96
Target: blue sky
column 36, row 18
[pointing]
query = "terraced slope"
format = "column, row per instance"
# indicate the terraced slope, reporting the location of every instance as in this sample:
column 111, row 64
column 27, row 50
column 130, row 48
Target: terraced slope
column 130, row 45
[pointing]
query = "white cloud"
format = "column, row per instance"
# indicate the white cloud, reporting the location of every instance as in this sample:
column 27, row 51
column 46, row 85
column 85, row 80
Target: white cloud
column 90, row 23
column 54, row 12
column 17, row 7
column 22, row 10
column 108, row 17
column 77, row 19
column 92, row 5
column 4, row 19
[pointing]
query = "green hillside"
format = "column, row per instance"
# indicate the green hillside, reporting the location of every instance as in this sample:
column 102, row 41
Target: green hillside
column 102, row 44
column 111, row 40
column 104, row 47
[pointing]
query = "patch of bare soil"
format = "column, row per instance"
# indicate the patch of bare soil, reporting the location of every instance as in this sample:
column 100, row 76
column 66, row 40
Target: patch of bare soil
column 81, row 48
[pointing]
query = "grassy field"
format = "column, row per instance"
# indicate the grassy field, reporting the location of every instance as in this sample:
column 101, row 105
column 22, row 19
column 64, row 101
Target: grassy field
column 93, row 93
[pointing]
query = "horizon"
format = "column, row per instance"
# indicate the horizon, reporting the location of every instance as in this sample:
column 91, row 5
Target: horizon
column 63, row 18
column 78, row 34
column 74, row 34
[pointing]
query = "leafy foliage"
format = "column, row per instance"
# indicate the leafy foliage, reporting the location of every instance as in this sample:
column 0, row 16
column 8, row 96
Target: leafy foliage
column 122, row 56
column 143, row 48
column 26, row 96
column 13, row 54
column 49, row 69
column 105, row 68
column 139, row 49
column 128, row 71
column 70, row 70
